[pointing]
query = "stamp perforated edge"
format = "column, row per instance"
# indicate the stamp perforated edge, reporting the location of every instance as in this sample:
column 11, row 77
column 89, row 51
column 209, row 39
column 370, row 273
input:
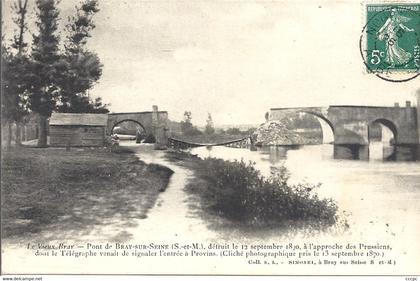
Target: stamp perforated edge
column 399, row 74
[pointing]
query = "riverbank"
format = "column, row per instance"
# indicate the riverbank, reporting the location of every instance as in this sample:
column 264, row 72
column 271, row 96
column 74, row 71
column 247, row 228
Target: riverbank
column 52, row 190
column 233, row 195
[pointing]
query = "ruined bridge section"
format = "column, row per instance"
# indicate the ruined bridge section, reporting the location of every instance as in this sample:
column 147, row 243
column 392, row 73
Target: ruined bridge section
column 350, row 125
column 153, row 122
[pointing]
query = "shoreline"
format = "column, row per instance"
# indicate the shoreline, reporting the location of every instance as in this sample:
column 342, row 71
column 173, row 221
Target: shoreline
column 287, row 227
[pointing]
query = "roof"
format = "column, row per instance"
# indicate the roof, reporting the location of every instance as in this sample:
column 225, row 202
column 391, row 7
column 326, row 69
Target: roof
column 85, row 119
column 140, row 112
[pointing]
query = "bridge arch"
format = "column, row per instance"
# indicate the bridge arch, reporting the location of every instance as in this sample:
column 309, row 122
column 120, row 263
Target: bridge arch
column 385, row 147
column 127, row 120
column 323, row 118
column 155, row 123
column 321, row 114
column 387, row 123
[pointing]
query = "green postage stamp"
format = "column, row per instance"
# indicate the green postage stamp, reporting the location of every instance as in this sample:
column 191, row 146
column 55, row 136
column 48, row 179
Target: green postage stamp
column 390, row 41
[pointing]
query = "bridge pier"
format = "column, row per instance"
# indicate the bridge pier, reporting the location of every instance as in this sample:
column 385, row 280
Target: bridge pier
column 417, row 158
column 418, row 125
column 351, row 127
column 364, row 152
column 351, row 151
column 406, row 152
column 159, row 130
column 402, row 152
column 154, row 123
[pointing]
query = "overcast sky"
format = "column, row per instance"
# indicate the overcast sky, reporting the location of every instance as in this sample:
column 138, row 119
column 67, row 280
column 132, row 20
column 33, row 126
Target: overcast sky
column 233, row 59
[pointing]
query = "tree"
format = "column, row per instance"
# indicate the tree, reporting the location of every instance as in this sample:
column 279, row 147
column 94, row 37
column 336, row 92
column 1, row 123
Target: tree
column 48, row 79
column 47, row 65
column 15, row 62
column 20, row 8
column 83, row 67
column 209, row 130
column 20, row 65
column 233, row 131
column 186, row 125
column 98, row 107
column 6, row 101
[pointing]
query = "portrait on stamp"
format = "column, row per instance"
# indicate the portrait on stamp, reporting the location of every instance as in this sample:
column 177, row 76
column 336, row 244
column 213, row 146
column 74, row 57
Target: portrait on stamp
column 392, row 43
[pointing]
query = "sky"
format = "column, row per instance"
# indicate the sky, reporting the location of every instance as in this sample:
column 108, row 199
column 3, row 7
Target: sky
column 233, row 59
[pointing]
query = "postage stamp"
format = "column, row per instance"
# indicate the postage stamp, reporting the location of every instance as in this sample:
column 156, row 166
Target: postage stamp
column 390, row 41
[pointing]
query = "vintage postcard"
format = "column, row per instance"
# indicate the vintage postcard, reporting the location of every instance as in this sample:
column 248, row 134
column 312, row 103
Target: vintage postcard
column 210, row 137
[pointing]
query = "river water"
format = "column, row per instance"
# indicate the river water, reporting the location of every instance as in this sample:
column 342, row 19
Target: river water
column 378, row 199
column 370, row 192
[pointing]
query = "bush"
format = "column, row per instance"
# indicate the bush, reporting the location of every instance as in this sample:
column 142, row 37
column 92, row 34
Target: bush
column 150, row 139
column 233, row 131
column 111, row 142
column 238, row 191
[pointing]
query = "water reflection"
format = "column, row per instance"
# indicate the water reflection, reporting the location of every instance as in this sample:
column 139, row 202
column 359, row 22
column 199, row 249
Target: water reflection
column 373, row 192
column 267, row 157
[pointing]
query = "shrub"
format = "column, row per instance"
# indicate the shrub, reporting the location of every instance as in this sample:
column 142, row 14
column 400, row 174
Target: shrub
column 150, row 139
column 238, row 191
column 111, row 142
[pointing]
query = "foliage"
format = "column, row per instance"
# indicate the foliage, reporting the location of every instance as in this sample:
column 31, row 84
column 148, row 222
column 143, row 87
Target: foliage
column 14, row 85
column 237, row 191
column 150, row 139
column 97, row 106
column 81, row 25
column 20, row 10
column 46, row 65
column 209, row 130
column 111, row 142
column 83, row 67
column 186, row 124
column 237, row 132
column 48, row 79
column 187, row 127
column 250, row 131
column 303, row 121
column 15, row 66
column 15, row 63
column 233, row 131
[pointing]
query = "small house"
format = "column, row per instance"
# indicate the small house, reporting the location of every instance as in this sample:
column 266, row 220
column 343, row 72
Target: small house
column 77, row 129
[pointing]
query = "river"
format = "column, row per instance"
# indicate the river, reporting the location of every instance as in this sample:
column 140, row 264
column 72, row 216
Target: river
column 378, row 199
column 371, row 192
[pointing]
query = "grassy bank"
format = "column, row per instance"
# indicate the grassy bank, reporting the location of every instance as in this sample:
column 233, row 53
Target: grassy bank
column 238, row 193
column 72, row 191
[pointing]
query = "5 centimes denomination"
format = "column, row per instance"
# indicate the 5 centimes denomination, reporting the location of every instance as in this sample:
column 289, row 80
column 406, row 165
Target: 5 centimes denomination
column 390, row 41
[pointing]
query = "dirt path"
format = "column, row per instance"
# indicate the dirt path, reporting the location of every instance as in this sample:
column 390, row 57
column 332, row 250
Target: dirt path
column 171, row 217
column 171, row 220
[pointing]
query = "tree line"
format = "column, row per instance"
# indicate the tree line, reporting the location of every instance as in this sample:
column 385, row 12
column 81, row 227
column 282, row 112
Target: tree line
column 188, row 129
column 52, row 72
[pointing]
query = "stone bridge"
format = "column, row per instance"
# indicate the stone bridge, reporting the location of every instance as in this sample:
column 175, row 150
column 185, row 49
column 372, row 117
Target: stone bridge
column 350, row 126
column 153, row 122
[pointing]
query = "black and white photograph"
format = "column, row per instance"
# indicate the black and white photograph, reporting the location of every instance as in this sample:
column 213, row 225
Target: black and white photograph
column 216, row 138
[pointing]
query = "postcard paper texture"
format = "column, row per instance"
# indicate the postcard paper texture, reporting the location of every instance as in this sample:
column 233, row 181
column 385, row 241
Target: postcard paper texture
column 210, row 137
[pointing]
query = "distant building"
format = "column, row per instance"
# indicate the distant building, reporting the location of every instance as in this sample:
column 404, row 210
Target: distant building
column 77, row 129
